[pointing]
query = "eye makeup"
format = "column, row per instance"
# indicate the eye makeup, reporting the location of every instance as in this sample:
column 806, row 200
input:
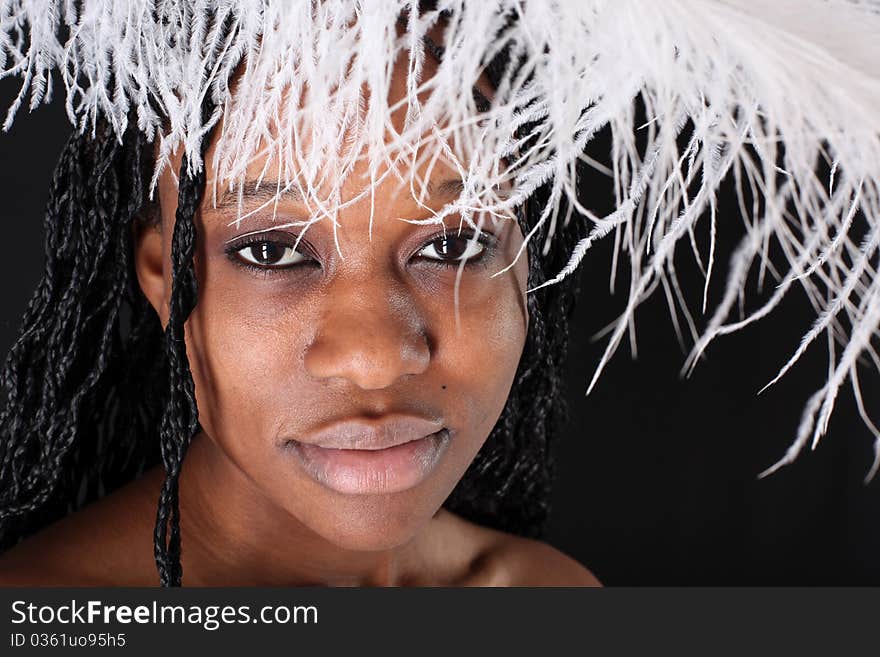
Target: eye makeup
column 274, row 246
column 486, row 242
column 247, row 250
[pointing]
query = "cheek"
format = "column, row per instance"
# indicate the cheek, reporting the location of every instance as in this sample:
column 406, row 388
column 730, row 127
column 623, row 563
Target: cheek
column 478, row 360
column 482, row 357
column 243, row 351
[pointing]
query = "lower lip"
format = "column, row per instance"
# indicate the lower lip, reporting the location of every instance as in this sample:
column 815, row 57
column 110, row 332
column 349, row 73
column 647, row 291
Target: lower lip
column 362, row 471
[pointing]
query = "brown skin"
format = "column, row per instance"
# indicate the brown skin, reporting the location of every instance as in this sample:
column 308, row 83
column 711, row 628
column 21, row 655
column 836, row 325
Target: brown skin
column 276, row 353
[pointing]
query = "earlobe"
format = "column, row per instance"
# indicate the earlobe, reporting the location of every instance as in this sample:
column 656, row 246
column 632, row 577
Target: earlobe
column 149, row 261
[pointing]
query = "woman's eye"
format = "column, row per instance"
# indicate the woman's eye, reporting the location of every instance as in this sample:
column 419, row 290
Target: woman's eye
column 269, row 255
column 452, row 249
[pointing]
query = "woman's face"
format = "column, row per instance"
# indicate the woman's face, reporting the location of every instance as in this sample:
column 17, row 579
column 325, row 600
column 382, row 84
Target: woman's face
column 284, row 344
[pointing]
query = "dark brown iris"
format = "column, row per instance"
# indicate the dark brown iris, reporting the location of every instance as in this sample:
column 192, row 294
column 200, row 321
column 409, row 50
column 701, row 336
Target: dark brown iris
column 267, row 253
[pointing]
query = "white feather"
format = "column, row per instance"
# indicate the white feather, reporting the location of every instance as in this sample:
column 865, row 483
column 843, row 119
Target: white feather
column 759, row 91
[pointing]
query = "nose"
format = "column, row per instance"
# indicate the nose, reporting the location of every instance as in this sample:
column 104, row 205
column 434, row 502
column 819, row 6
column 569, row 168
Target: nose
column 370, row 333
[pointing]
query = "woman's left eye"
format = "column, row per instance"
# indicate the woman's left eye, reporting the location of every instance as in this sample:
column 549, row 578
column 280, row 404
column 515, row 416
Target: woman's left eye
column 269, row 255
column 451, row 249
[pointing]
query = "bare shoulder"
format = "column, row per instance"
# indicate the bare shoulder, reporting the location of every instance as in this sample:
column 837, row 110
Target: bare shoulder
column 526, row 562
column 106, row 544
column 504, row 559
column 517, row 561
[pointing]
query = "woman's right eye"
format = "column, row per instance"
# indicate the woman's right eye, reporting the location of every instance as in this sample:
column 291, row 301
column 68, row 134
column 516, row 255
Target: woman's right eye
column 269, row 255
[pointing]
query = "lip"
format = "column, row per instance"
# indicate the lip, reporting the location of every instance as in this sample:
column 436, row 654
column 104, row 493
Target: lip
column 381, row 455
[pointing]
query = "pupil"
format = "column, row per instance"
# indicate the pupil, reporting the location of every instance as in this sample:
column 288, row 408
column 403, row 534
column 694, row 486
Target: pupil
column 448, row 247
column 267, row 253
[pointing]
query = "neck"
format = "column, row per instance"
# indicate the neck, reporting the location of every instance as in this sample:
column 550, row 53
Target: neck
column 232, row 533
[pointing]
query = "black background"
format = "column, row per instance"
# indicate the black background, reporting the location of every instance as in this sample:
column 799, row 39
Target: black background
column 657, row 476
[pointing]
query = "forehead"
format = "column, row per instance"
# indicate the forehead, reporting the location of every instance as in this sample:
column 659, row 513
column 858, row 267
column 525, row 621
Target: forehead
column 422, row 182
column 427, row 175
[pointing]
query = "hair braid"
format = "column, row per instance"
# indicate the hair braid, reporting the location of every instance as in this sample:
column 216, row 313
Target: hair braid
column 64, row 397
column 181, row 419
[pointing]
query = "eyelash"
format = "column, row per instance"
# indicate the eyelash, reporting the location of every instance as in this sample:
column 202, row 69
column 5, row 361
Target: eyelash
column 233, row 249
column 486, row 240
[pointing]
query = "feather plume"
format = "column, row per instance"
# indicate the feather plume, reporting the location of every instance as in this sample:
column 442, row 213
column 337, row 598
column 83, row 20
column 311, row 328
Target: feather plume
column 763, row 93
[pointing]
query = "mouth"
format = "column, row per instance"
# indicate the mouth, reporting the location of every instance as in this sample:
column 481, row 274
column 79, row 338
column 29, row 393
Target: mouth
column 374, row 468
column 363, row 464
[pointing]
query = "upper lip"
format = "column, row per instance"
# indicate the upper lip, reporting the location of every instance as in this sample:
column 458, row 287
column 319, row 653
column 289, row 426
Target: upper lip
column 372, row 433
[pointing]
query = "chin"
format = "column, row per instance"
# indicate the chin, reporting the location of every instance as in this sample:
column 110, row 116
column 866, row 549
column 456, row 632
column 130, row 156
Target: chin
column 374, row 522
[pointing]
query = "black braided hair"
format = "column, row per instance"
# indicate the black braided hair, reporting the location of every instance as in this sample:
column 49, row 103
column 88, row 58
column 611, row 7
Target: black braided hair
column 181, row 419
column 92, row 378
column 82, row 380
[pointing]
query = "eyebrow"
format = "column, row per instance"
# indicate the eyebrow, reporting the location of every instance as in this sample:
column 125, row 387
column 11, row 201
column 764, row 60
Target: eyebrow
column 264, row 192
column 260, row 191
column 452, row 187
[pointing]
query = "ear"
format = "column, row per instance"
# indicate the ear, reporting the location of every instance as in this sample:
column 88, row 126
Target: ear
column 149, row 263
